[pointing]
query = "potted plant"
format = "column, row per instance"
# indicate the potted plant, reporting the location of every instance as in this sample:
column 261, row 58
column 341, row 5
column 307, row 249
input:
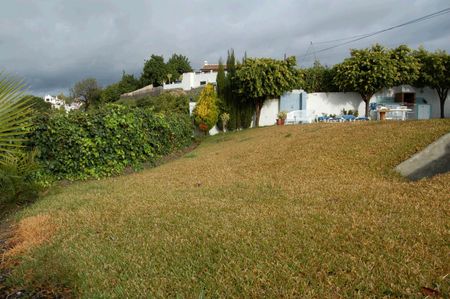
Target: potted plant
column 282, row 115
column 225, row 118
column 382, row 111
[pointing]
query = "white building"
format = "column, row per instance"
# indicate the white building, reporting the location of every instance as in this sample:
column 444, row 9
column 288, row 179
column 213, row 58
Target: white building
column 75, row 105
column 207, row 74
column 424, row 103
column 58, row 103
column 54, row 101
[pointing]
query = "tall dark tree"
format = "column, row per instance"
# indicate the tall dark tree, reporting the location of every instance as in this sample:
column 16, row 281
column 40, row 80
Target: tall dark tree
column 178, row 64
column 113, row 92
column 435, row 73
column 88, row 91
column 221, row 81
column 128, row 82
column 155, row 71
column 232, row 99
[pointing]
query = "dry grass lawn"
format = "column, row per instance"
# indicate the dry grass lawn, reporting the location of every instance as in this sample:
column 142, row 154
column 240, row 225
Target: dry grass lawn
column 294, row 211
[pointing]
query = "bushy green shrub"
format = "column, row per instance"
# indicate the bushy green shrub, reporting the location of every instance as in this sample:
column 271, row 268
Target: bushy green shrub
column 17, row 181
column 167, row 102
column 103, row 142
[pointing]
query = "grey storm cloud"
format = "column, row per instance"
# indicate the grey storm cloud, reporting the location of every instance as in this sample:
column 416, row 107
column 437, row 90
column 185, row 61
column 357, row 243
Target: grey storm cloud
column 53, row 44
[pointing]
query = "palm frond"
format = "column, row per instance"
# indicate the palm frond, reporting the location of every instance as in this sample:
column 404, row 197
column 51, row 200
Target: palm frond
column 15, row 116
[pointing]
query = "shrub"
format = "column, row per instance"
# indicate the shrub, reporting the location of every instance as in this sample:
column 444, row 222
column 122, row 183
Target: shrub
column 104, row 142
column 282, row 115
column 167, row 102
column 206, row 111
column 225, row 118
column 17, row 182
column 349, row 112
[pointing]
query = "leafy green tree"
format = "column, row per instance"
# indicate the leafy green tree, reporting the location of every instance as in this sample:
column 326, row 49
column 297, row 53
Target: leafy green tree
column 206, row 112
column 317, row 78
column 263, row 78
column 88, row 91
column 435, row 73
column 369, row 70
column 155, row 71
column 407, row 65
column 178, row 64
column 15, row 117
column 113, row 92
column 128, row 82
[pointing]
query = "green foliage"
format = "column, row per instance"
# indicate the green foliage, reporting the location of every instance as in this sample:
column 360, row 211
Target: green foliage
column 318, row 78
column 113, row 92
column 221, row 81
column 178, row 64
column 206, row 112
column 103, row 142
column 264, row 78
column 155, row 71
column 231, row 101
column 350, row 112
column 88, row 91
column 224, row 118
column 407, row 65
column 167, row 102
column 38, row 104
column 370, row 70
column 435, row 73
column 15, row 116
column 282, row 115
column 17, row 181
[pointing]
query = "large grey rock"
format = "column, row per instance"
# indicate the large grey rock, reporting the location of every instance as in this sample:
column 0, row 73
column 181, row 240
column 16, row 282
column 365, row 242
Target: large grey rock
column 434, row 159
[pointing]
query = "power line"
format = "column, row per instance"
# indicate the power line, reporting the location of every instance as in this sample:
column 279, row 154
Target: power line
column 363, row 36
column 340, row 39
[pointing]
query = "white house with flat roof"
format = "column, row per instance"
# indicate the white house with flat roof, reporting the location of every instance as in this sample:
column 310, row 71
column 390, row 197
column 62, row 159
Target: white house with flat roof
column 207, row 74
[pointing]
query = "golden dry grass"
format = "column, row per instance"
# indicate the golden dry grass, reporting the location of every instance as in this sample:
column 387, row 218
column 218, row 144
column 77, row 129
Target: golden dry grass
column 294, row 211
column 29, row 233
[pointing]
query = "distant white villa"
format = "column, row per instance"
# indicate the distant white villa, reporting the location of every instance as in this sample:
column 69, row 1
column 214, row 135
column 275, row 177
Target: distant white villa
column 207, row 74
column 59, row 103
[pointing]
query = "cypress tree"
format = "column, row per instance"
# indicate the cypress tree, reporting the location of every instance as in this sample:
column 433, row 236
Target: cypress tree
column 221, row 81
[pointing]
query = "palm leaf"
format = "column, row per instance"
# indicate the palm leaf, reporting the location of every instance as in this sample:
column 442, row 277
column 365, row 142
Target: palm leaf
column 15, row 116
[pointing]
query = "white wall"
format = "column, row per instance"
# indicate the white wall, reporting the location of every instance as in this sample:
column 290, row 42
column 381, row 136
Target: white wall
column 269, row 113
column 192, row 80
column 334, row 102
column 433, row 99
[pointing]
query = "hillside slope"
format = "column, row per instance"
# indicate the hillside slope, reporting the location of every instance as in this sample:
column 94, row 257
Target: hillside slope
column 294, row 211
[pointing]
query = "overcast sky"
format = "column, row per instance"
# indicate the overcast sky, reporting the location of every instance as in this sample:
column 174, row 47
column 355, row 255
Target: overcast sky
column 52, row 44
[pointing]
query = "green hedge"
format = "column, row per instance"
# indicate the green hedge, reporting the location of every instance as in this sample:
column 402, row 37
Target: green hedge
column 104, row 142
